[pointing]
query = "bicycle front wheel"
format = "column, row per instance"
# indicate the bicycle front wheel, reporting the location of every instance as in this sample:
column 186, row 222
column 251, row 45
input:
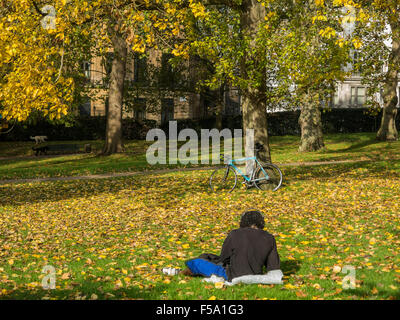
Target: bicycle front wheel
column 268, row 177
column 223, row 180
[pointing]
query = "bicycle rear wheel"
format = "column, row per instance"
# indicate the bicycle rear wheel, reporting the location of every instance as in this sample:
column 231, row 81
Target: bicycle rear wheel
column 269, row 177
column 223, row 180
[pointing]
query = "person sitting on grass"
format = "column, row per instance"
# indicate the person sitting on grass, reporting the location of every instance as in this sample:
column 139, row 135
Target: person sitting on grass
column 245, row 251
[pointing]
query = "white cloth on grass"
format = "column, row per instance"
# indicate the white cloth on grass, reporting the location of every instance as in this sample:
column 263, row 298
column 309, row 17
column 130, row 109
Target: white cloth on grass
column 271, row 277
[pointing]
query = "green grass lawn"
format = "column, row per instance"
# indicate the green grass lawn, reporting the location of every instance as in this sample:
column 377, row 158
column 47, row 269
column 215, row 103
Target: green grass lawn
column 362, row 146
column 110, row 238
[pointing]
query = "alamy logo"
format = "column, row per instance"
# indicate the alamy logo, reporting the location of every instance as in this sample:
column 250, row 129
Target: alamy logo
column 49, row 21
column 349, row 281
column 49, row 280
column 196, row 147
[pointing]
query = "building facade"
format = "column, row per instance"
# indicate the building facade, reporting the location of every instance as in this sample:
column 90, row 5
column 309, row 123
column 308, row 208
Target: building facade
column 155, row 92
column 161, row 100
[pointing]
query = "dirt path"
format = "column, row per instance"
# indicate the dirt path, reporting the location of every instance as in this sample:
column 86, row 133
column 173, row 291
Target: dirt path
column 152, row 172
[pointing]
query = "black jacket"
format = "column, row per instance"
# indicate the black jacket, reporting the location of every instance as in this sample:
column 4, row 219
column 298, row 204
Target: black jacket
column 245, row 251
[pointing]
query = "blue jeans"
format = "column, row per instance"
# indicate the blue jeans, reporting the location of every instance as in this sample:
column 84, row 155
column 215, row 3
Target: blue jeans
column 206, row 268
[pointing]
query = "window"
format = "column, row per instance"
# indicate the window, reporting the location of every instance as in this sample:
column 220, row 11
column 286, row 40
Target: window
column 140, row 115
column 84, row 109
column 167, row 110
column 336, row 99
column 167, row 77
column 86, row 69
column 361, row 95
column 139, row 68
column 357, row 96
column 357, row 60
column 139, row 111
column 232, row 106
column 353, row 96
column 398, row 96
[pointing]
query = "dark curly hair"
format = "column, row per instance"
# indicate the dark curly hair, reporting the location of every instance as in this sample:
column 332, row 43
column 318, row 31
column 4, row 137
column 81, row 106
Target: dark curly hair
column 252, row 217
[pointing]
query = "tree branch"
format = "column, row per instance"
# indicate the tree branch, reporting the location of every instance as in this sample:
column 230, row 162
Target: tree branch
column 38, row 9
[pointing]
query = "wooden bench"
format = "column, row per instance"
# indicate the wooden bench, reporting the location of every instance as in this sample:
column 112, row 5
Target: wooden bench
column 62, row 148
column 57, row 148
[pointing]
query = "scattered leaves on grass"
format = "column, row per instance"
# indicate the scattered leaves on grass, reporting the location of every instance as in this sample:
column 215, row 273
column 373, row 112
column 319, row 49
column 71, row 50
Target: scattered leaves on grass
column 111, row 238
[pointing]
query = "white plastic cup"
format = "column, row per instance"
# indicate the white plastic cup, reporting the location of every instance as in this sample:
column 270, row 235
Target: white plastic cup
column 171, row 271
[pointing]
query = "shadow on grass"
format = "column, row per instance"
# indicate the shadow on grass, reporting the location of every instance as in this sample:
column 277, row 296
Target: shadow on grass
column 366, row 292
column 86, row 293
column 356, row 147
column 290, row 267
column 30, row 193
column 349, row 137
column 180, row 185
column 54, row 160
column 357, row 170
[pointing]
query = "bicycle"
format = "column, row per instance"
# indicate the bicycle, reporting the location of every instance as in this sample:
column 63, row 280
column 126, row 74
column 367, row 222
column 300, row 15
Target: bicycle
column 266, row 176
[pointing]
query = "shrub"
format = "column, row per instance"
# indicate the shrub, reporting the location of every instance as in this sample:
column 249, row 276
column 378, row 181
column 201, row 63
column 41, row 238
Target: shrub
column 279, row 124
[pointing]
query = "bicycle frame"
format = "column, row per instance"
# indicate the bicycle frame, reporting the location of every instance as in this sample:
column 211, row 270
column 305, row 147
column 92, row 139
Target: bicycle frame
column 255, row 164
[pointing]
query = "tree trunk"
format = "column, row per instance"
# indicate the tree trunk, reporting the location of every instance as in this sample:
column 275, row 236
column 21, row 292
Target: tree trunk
column 387, row 130
column 253, row 103
column 311, row 126
column 220, row 107
column 113, row 142
column 218, row 115
column 254, row 118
